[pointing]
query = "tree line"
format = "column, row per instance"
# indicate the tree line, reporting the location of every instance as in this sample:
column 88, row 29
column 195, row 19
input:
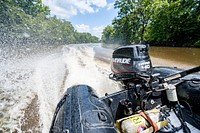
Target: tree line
column 158, row 22
column 29, row 21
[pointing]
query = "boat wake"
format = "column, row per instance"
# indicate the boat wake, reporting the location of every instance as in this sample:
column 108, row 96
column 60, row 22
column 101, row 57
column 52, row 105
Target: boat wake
column 32, row 86
column 83, row 69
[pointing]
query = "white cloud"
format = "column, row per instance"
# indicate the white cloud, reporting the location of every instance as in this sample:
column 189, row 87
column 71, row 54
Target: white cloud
column 110, row 6
column 82, row 28
column 98, row 3
column 60, row 11
column 95, row 31
column 68, row 8
column 82, row 6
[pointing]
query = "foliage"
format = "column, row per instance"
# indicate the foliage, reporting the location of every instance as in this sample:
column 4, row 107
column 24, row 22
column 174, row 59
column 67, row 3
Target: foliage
column 167, row 22
column 197, row 44
column 29, row 22
column 85, row 38
column 108, row 33
column 176, row 23
column 132, row 19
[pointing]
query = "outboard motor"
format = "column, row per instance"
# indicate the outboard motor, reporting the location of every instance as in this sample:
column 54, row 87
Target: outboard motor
column 131, row 59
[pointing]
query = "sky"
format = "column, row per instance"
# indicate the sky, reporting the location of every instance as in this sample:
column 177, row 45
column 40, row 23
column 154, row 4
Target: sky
column 85, row 15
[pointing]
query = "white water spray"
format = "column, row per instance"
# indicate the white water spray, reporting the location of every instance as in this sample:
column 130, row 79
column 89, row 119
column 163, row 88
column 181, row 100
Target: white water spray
column 45, row 78
column 83, row 69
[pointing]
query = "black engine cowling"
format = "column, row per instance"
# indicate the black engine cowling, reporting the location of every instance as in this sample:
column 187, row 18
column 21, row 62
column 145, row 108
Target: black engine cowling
column 133, row 58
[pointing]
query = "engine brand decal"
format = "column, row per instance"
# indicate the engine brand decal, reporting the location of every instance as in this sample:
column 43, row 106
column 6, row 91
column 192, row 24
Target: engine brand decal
column 122, row 60
column 145, row 65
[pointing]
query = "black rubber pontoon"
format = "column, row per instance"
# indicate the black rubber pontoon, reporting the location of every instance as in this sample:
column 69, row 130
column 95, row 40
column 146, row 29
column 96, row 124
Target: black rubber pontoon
column 82, row 111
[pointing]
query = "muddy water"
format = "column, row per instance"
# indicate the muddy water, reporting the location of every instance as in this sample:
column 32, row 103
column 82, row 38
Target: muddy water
column 31, row 84
column 175, row 57
column 164, row 56
column 19, row 86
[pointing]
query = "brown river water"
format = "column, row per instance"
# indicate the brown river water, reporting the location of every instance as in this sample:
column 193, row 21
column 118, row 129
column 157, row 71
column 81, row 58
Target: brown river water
column 175, row 57
column 31, row 86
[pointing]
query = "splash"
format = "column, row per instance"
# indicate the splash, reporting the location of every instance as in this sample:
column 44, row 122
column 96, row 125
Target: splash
column 18, row 87
column 54, row 74
column 33, row 80
column 48, row 77
column 83, row 69
column 15, row 87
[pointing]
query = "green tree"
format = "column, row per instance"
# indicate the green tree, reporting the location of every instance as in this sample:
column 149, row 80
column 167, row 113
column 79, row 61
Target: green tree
column 133, row 18
column 31, row 7
column 176, row 23
column 11, row 10
column 107, row 34
column 26, row 21
column 167, row 22
column 85, row 38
